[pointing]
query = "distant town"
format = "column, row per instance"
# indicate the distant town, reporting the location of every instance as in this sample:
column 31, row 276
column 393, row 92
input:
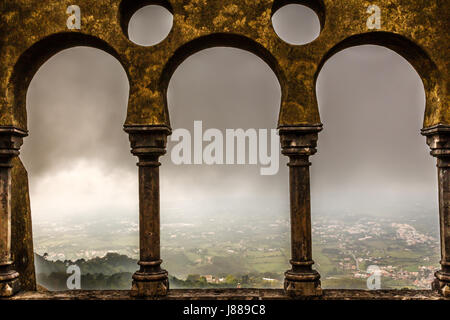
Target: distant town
column 244, row 251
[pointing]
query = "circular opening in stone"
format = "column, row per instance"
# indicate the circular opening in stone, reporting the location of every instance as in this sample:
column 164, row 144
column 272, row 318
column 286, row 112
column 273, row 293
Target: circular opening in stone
column 296, row 24
column 150, row 25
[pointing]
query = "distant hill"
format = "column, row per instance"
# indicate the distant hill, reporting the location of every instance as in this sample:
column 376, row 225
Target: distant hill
column 114, row 272
column 111, row 272
column 110, row 264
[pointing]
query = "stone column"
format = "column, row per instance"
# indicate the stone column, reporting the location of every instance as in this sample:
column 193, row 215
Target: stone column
column 298, row 143
column 438, row 138
column 10, row 143
column 148, row 144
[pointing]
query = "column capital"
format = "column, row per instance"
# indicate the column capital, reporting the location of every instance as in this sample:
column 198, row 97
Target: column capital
column 148, row 140
column 11, row 140
column 438, row 139
column 299, row 140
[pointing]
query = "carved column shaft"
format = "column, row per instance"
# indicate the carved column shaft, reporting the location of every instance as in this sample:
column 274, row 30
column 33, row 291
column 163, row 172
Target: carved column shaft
column 10, row 142
column 7, row 276
column 149, row 219
column 300, row 210
column 443, row 165
column 148, row 144
column 438, row 138
column 299, row 143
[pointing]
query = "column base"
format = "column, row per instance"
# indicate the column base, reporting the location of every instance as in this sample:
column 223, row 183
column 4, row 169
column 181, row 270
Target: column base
column 442, row 283
column 298, row 284
column 150, row 284
column 9, row 284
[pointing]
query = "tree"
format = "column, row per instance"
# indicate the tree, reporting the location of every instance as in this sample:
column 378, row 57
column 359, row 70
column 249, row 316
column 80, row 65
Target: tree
column 230, row 279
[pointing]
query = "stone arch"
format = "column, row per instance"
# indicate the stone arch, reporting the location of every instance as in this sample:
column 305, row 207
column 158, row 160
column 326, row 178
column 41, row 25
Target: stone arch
column 218, row 40
column 431, row 76
column 343, row 24
column 35, row 56
column 23, row 72
column 436, row 120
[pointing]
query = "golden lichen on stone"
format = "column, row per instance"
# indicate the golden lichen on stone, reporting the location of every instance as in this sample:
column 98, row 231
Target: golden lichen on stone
column 33, row 30
column 33, row 21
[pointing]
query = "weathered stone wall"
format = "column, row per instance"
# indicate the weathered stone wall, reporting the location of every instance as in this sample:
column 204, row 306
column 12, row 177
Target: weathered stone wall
column 234, row 294
column 415, row 29
column 22, row 238
column 31, row 31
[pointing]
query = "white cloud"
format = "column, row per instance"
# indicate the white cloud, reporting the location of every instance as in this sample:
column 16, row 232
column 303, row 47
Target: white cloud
column 84, row 189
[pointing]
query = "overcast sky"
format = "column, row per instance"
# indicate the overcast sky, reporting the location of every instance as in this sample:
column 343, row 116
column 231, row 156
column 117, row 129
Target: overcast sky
column 371, row 157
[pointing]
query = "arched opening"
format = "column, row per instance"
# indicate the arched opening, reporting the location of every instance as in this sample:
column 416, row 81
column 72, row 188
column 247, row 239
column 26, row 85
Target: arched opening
column 223, row 225
column 374, row 188
column 35, row 56
column 83, row 185
column 156, row 18
column 146, row 22
column 296, row 24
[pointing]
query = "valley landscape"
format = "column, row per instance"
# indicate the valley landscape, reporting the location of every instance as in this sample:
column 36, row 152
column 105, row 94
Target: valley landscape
column 241, row 250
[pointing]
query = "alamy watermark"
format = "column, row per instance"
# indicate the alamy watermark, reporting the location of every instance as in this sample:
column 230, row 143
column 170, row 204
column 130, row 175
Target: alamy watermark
column 74, row 280
column 233, row 147
column 74, row 20
column 374, row 21
column 374, row 280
